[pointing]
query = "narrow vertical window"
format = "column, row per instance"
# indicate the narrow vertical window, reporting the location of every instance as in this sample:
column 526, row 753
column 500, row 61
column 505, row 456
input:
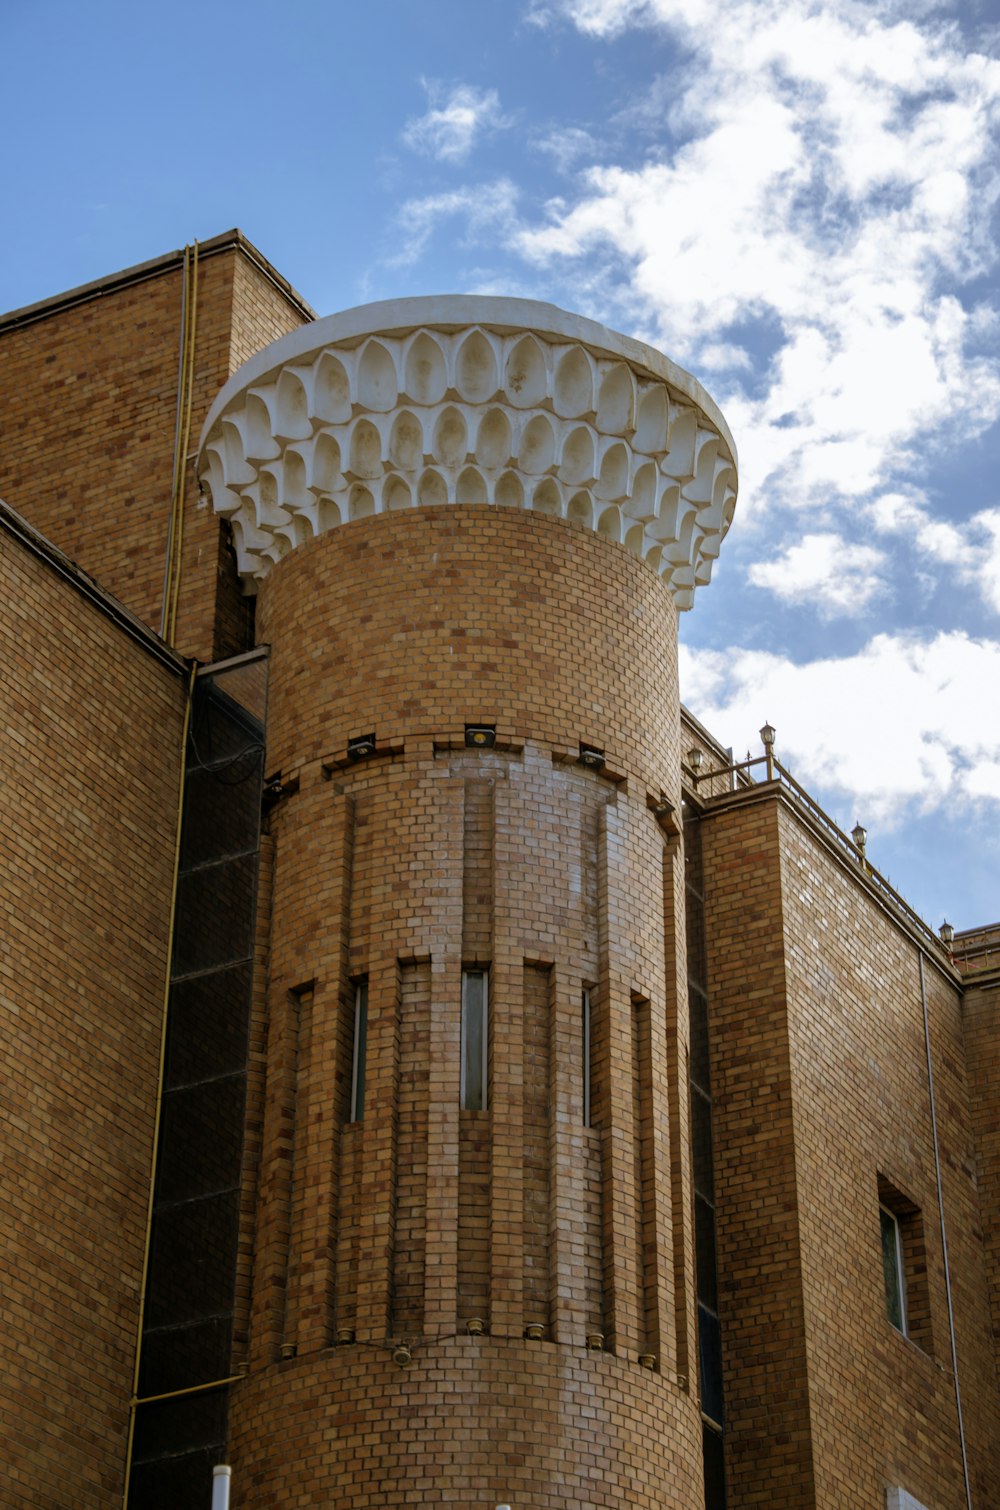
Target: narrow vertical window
column 360, row 1051
column 475, row 1038
column 892, row 1269
column 585, row 1024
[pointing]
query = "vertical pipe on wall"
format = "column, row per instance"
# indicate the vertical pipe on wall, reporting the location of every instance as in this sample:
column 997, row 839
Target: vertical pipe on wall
column 944, row 1232
column 182, row 436
column 161, row 1072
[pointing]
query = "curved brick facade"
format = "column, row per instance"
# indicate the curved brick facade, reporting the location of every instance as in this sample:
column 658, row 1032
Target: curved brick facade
column 414, row 624
column 422, row 1217
column 473, row 1423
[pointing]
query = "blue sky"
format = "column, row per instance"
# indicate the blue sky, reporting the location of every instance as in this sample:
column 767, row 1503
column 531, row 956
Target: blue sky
column 796, row 201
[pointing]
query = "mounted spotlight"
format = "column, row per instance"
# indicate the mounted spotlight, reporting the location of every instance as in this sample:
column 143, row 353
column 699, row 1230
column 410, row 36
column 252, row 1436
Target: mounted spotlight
column 361, row 746
column 662, row 808
column 592, row 757
column 480, row 736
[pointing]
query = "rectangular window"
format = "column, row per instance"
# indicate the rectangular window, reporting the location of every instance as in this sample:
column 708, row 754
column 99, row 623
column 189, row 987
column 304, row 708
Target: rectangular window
column 360, row 1051
column 586, row 1059
column 475, row 1040
column 905, row 1271
column 892, row 1269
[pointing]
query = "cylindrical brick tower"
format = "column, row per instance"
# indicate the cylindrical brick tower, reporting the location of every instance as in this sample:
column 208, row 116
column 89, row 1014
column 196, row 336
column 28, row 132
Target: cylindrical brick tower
column 471, row 522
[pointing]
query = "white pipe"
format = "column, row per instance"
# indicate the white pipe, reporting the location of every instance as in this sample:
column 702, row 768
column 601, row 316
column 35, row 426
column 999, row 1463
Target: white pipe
column 220, row 1486
column 944, row 1234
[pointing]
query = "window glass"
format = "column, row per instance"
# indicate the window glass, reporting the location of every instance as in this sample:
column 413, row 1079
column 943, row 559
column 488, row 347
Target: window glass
column 715, row 1481
column 701, row 1132
column 704, row 1249
column 710, row 1363
column 586, row 1058
column 474, row 1039
column 892, row 1269
column 360, row 1051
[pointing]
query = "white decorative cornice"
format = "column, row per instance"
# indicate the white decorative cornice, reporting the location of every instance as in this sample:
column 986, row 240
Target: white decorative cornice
column 460, row 399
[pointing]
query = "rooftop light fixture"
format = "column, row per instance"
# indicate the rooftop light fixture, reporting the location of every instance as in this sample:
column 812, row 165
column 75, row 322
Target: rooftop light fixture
column 767, row 740
column 695, row 759
column 947, row 933
column 860, row 836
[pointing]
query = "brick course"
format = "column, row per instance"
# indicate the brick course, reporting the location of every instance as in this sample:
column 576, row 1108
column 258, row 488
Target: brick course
column 820, row 1079
column 87, row 412
column 88, row 809
column 401, row 870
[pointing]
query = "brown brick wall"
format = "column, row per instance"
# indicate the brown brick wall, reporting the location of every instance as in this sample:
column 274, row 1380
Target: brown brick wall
column 862, row 1109
column 401, row 870
column 471, row 1422
column 88, row 401
column 91, row 744
column 820, row 1081
column 982, row 1052
column 758, row 1185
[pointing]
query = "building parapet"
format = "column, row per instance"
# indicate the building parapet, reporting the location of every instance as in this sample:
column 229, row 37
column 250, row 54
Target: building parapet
column 739, row 785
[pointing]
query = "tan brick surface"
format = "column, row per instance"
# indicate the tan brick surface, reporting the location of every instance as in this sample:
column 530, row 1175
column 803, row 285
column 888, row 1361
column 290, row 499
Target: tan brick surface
column 982, row 1042
column 90, row 742
column 423, row 1216
column 88, row 406
column 403, row 870
column 820, row 1082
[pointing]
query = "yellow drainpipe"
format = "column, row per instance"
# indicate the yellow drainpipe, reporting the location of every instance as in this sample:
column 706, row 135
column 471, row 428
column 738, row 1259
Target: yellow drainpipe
column 161, row 1071
column 182, row 437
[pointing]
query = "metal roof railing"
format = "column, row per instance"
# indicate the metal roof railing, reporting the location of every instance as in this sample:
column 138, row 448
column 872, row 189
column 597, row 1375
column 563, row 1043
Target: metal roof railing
column 740, row 778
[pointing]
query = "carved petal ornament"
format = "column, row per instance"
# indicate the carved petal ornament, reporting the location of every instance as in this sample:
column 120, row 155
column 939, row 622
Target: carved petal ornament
column 499, row 402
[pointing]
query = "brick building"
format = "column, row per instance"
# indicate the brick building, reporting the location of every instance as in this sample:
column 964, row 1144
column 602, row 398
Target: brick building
column 433, row 1073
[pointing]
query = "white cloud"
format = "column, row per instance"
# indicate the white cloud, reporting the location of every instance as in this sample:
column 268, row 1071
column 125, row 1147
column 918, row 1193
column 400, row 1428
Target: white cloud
column 989, row 567
column 600, row 18
column 566, row 145
column 972, row 549
column 902, row 726
column 983, row 780
column 452, row 123
column 482, row 207
column 836, row 184
column 825, row 570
